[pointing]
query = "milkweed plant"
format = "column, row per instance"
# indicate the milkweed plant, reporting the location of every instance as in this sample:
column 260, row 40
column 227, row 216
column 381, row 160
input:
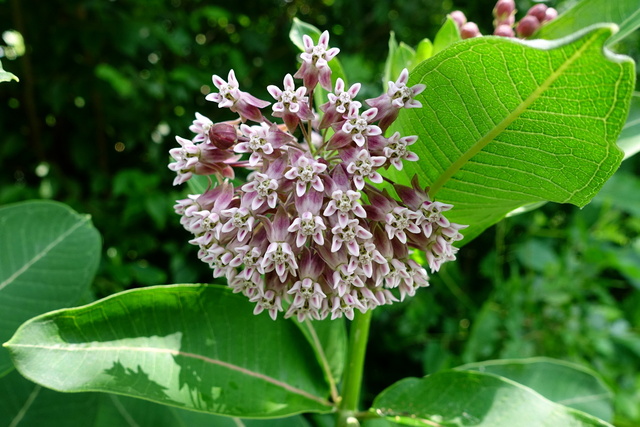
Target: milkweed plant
column 316, row 206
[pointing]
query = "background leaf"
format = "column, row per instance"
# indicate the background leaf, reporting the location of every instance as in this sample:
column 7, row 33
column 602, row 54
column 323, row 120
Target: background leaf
column 6, row 76
column 465, row 398
column 446, row 36
column 400, row 56
column 328, row 338
column 629, row 140
column 559, row 381
column 496, row 134
column 191, row 346
column 624, row 13
column 27, row 404
column 48, row 257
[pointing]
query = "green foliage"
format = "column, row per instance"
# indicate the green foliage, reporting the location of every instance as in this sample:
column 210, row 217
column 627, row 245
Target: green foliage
column 25, row 403
column 624, row 13
column 555, row 281
column 49, row 257
column 561, row 382
column 494, row 138
column 460, row 398
column 192, row 346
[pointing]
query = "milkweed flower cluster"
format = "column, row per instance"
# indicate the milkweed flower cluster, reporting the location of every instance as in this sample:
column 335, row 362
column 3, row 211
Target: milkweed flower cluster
column 310, row 233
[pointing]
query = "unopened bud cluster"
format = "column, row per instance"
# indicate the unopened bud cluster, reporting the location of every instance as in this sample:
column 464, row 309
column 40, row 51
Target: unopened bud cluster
column 309, row 233
column 504, row 21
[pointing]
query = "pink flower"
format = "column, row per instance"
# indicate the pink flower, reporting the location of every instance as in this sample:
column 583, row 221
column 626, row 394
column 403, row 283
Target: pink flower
column 291, row 103
column 230, row 96
column 364, row 166
column 398, row 96
column 315, row 65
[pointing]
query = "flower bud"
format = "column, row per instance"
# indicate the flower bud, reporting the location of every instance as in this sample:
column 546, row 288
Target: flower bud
column 550, row 14
column 469, row 30
column 504, row 31
column 527, row 26
column 222, row 135
column 539, row 11
column 508, row 20
column 458, row 17
column 504, row 8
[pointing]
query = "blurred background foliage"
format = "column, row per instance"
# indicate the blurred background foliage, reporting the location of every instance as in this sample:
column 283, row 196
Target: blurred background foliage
column 106, row 85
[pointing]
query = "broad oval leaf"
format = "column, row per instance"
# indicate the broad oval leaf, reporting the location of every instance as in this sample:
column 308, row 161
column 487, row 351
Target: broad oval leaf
column 24, row 403
column 624, row 13
column 466, row 398
column 559, row 381
column 506, row 123
column 48, row 256
column 192, row 346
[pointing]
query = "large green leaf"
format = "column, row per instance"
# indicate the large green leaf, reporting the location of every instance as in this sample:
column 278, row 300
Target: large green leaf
column 48, row 257
column 624, row 13
column 561, row 382
column 192, row 346
column 24, row 403
column 507, row 123
column 467, row 398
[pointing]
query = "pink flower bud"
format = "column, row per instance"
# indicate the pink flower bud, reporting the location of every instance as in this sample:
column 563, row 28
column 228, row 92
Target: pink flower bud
column 458, row 17
column 550, row 14
column 539, row 11
column 504, row 8
column 508, row 20
column 469, row 31
column 527, row 26
column 223, row 135
column 504, row 31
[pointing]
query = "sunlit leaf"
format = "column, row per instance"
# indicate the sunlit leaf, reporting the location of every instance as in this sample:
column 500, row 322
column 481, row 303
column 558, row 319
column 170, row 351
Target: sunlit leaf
column 191, row 346
column 6, row 76
column 446, row 35
column 27, row 404
column 559, row 381
column 49, row 255
column 465, row 398
column 496, row 133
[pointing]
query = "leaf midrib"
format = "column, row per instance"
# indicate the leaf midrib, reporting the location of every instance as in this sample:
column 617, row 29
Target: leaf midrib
column 508, row 120
column 171, row 352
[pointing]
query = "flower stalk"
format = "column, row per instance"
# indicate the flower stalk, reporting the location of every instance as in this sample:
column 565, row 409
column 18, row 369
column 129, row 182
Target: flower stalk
column 352, row 383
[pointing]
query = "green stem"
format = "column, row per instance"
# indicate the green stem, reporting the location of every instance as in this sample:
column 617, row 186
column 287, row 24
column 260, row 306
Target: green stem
column 358, row 337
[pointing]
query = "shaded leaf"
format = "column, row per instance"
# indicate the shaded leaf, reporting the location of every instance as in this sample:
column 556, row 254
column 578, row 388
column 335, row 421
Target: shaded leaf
column 496, row 133
column 466, row 398
column 559, row 381
column 624, row 13
column 191, row 346
column 49, row 255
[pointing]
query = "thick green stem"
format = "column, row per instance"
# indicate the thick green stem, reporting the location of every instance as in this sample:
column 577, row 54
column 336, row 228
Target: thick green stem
column 358, row 337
